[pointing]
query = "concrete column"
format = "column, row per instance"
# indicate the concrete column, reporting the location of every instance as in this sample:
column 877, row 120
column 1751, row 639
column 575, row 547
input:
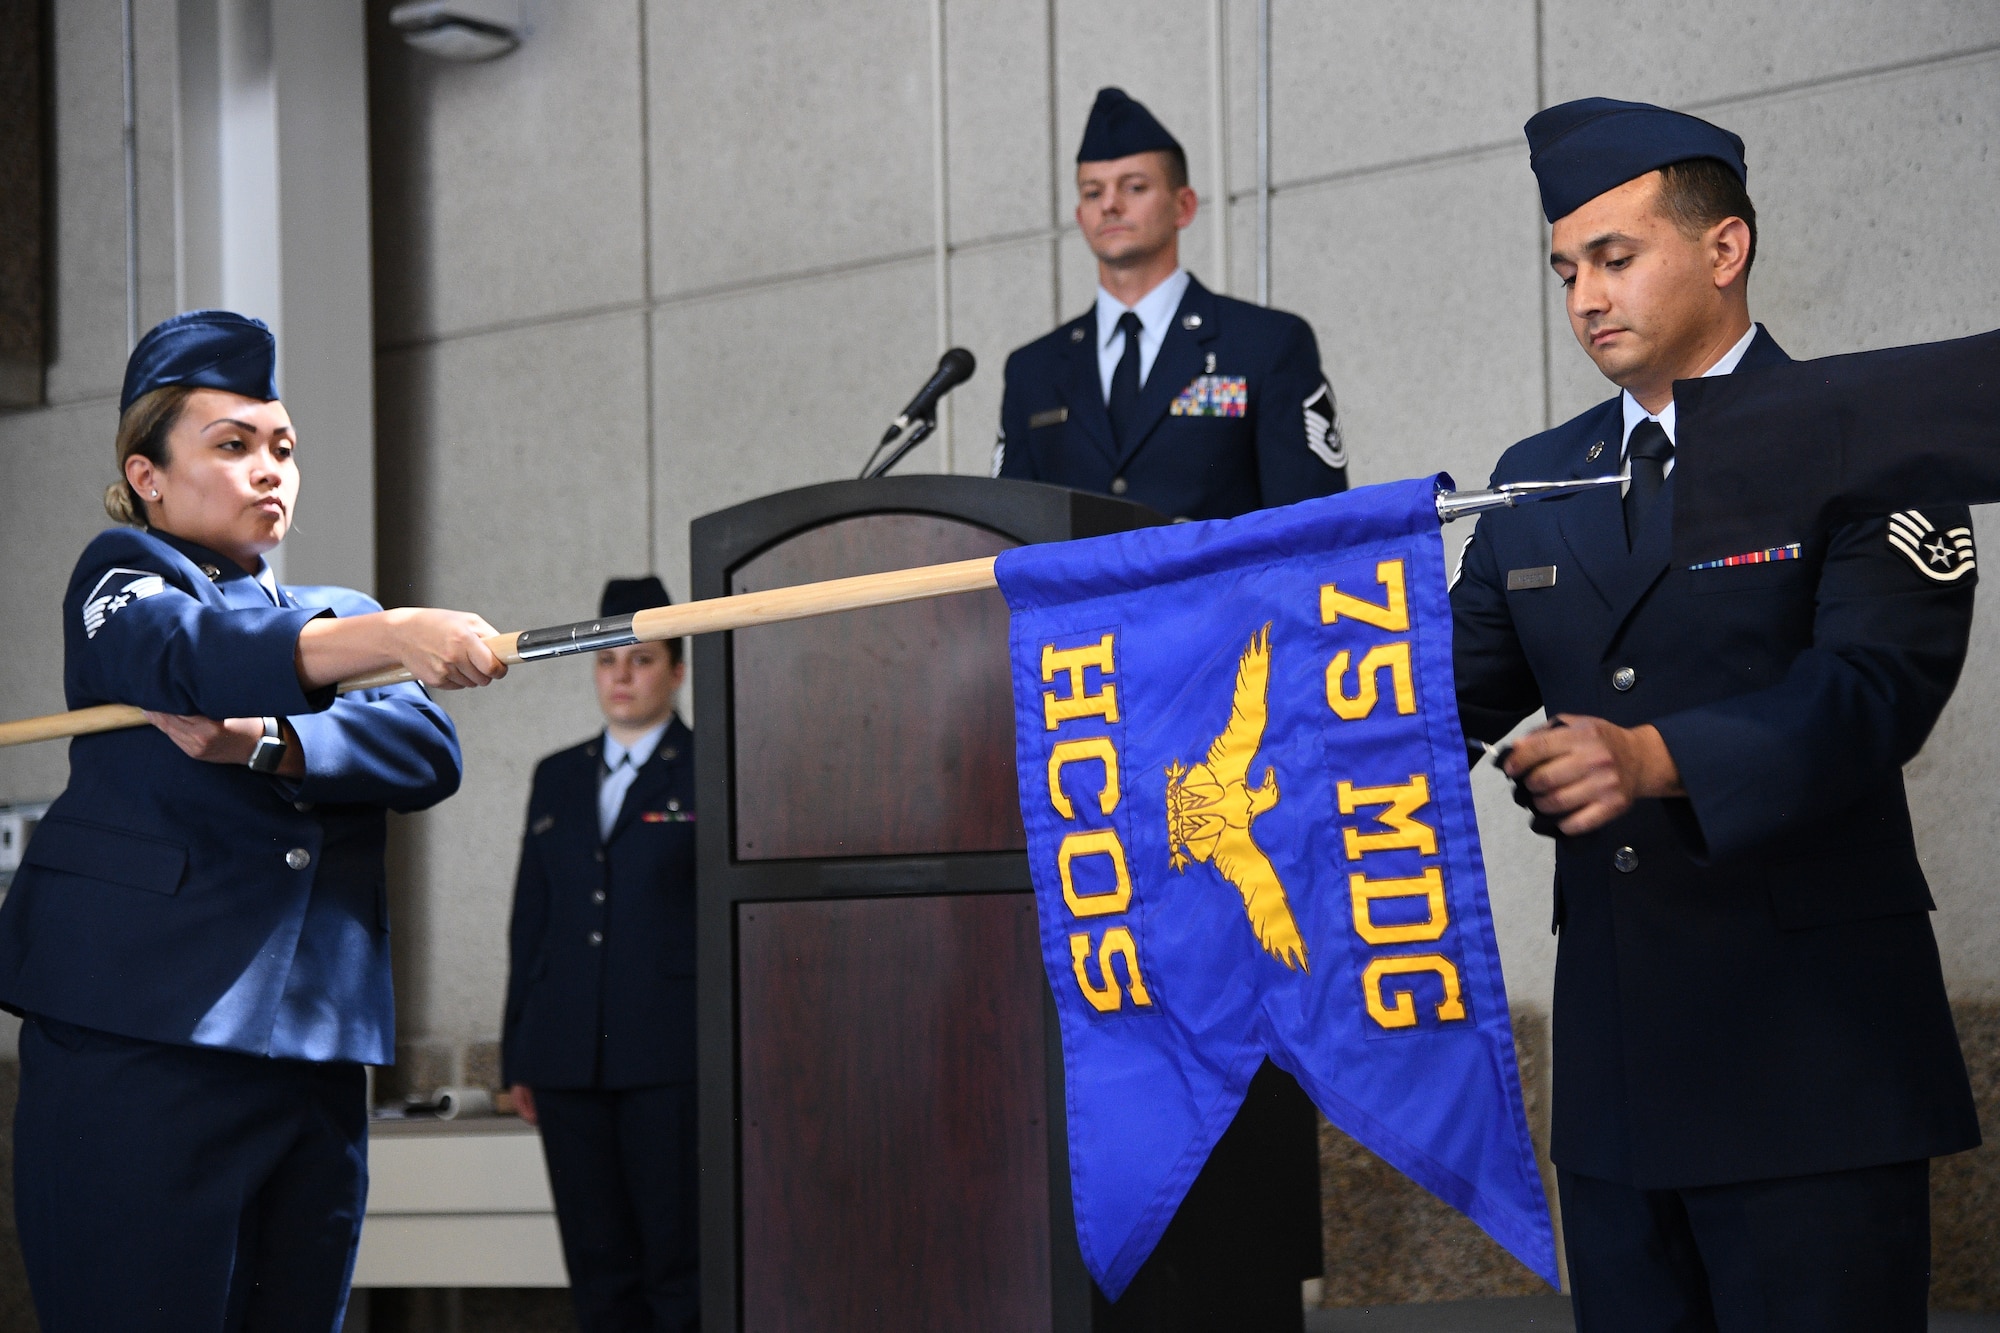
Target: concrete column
column 273, row 222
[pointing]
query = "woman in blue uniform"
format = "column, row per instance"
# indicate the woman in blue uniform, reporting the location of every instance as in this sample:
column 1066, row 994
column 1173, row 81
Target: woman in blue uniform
column 197, row 939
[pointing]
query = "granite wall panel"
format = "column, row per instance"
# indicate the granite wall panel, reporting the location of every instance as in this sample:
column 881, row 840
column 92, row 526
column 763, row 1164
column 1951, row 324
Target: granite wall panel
column 781, row 386
column 511, row 190
column 787, row 137
column 88, row 327
column 997, row 83
column 1001, row 297
column 1358, row 85
column 1866, row 194
column 1419, row 288
column 1700, row 52
column 156, row 47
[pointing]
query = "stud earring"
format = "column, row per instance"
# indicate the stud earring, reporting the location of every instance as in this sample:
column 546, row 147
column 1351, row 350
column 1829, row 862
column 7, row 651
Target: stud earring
column 156, row 495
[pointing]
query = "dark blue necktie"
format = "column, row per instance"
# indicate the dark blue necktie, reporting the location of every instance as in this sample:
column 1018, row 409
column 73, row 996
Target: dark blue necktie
column 1646, row 457
column 1124, row 404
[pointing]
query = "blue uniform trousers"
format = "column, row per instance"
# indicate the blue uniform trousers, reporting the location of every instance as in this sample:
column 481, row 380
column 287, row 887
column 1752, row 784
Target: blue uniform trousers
column 622, row 1166
column 184, row 1188
column 1838, row 1252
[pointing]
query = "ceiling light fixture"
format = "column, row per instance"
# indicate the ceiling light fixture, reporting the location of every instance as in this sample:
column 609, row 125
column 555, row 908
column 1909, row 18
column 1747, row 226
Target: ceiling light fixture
column 462, row 30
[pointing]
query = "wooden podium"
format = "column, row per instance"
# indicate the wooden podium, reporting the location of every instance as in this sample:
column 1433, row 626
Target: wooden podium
column 882, row 1133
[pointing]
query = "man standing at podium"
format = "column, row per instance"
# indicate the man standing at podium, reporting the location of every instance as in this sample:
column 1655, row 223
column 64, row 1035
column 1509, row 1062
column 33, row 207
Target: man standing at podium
column 1165, row 393
column 598, row 1042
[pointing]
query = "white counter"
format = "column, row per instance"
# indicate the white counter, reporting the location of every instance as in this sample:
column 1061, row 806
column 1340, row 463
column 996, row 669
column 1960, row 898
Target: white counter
column 458, row 1203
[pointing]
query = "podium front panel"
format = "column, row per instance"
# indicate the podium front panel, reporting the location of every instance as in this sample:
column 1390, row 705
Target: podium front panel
column 894, row 1152
column 888, row 731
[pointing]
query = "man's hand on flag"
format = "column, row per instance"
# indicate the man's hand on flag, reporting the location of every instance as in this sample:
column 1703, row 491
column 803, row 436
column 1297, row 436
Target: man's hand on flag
column 1586, row 772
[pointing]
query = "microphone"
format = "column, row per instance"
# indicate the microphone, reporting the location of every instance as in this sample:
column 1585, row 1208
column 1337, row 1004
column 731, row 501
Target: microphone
column 954, row 368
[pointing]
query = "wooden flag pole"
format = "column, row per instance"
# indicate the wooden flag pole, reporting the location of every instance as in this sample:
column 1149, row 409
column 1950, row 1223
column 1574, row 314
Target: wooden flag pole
column 709, row 616
column 751, row 608
column 82, row 722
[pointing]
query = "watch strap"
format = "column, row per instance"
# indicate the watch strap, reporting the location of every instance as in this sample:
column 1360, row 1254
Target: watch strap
column 269, row 752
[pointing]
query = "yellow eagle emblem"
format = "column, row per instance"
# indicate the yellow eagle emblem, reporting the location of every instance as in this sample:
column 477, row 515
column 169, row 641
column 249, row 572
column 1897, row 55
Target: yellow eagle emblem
column 1210, row 806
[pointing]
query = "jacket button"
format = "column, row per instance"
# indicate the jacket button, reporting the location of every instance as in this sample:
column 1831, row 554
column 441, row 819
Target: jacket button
column 1623, row 679
column 1119, row 486
column 298, row 858
column 1625, row 860
column 597, row 895
column 596, row 937
column 303, row 807
column 598, row 855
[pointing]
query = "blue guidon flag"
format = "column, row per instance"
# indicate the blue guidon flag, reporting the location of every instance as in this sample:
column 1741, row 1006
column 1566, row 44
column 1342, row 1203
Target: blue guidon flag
column 1252, row 834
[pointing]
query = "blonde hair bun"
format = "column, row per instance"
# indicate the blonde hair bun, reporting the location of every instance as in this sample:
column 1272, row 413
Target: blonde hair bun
column 118, row 504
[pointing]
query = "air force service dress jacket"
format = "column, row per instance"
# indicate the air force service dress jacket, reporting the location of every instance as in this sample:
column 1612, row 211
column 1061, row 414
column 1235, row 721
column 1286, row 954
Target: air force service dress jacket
column 600, row 986
column 1235, row 414
column 179, row 901
column 1747, row 985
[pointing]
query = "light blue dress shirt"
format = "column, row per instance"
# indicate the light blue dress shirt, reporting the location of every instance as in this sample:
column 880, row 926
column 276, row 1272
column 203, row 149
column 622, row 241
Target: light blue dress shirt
column 1155, row 311
column 621, row 766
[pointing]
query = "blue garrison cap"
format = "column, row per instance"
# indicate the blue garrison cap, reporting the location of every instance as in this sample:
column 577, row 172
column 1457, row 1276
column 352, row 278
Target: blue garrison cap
column 204, row 349
column 1119, row 127
column 623, row 597
column 1581, row 149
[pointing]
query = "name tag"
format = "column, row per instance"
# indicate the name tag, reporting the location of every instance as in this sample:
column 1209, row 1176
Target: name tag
column 1055, row 416
column 1537, row 576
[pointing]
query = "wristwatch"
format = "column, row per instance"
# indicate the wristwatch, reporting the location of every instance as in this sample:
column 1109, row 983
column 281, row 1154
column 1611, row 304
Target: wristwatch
column 270, row 751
